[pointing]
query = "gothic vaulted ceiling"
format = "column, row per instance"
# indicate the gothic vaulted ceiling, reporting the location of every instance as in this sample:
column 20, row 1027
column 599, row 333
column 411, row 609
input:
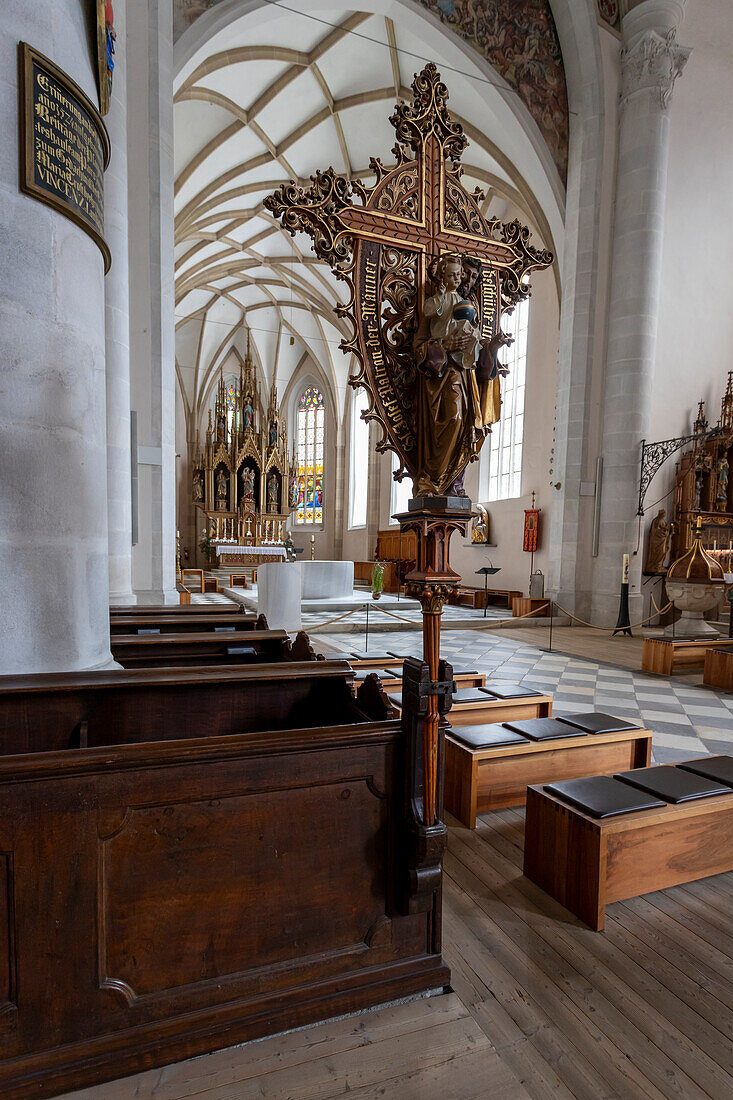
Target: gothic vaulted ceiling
column 272, row 96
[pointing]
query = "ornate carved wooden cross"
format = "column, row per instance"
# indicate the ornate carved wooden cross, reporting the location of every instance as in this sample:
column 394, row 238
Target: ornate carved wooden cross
column 397, row 245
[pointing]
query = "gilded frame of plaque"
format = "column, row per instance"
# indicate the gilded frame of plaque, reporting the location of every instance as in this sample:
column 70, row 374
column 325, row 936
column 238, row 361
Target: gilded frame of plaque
column 28, row 57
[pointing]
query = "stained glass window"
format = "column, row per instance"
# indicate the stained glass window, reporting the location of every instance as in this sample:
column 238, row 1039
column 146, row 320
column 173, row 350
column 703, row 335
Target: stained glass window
column 311, row 427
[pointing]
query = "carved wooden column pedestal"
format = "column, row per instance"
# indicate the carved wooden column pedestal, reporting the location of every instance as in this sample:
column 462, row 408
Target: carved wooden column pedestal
column 427, row 688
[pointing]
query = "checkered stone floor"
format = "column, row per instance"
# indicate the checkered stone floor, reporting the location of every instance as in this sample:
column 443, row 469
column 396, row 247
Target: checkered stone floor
column 685, row 720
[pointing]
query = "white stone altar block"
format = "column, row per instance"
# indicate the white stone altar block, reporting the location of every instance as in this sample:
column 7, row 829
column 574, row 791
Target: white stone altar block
column 327, row 579
column 278, row 594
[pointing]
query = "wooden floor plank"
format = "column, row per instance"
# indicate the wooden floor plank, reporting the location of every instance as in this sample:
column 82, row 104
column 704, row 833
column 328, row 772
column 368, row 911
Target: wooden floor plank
column 567, row 1044
column 697, row 1047
column 669, row 1054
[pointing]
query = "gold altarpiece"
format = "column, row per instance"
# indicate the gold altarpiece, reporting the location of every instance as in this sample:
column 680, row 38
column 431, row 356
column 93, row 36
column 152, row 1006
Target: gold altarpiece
column 241, row 477
column 702, row 486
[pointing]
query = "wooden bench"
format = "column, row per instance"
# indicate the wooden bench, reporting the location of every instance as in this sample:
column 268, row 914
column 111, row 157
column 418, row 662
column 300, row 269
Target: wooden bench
column 184, row 595
column 719, row 668
column 141, row 609
column 492, row 778
column 209, row 866
column 238, row 580
column 586, row 862
column 197, row 573
column 391, row 679
column 523, row 605
column 208, row 648
column 472, row 596
column 488, row 710
column 666, row 656
column 163, row 623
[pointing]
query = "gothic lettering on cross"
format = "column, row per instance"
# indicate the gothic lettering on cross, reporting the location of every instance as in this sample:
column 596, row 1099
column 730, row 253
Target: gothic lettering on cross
column 428, row 278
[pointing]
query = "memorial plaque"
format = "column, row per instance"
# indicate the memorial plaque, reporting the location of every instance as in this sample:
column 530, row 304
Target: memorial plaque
column 64, row 146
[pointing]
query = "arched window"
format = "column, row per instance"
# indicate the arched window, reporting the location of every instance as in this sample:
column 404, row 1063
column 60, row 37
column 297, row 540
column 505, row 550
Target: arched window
column 401, row 492
column 505, row 454
column 358, row 460
column 310, row 426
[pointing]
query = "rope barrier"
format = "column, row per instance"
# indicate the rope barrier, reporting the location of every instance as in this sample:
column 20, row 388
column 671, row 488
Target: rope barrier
column 631, row 626
column 328, row 622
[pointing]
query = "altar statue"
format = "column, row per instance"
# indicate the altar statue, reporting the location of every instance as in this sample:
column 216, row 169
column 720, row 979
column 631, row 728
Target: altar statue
column 221, row 485
column 458, row 396
column 660, row 534
column 198, row 486
column 273, row 433
column 248, row 413
column 248, row 483
column 272, row 490
column 721, row 497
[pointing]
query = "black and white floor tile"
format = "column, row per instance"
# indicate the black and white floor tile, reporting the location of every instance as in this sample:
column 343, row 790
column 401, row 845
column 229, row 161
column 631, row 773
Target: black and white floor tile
column 686, row 720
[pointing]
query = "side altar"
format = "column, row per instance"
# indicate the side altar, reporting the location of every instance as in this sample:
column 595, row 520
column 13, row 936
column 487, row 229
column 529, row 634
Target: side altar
column 241, row 477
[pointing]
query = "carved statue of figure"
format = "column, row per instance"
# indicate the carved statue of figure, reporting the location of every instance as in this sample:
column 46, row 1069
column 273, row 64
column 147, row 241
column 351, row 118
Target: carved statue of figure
column 248, row 483
column 458, row 396
column 293, row 490
column 480, row 530
column 660, row 534
column 221, row 428
column 198, row 486
column 272, row 489
column 721, row 498
column 273, row 433
column 221, row 485
column 248, row 413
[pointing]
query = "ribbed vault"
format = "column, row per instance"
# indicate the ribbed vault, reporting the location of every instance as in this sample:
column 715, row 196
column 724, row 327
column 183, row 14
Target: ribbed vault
column 273, row 99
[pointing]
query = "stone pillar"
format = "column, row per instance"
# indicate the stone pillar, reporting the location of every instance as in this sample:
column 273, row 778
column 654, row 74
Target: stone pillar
column 152, row 332
column 651, row 61
column 53, row 516
column 117, row 332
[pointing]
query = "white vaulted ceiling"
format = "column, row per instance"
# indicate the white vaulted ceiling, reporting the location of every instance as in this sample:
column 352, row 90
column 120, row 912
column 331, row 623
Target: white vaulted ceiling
column 274, row 96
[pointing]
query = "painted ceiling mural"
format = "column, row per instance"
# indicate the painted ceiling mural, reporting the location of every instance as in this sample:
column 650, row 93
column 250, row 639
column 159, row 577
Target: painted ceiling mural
column 518, row 37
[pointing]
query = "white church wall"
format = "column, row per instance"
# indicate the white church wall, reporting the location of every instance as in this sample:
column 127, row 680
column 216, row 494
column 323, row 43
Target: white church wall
column 695, row 339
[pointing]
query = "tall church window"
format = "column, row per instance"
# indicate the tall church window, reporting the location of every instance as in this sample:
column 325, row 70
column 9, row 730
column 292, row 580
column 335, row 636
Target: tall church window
column 358, row 460
column 310, row 428
column 401, row 492
column 506, row 439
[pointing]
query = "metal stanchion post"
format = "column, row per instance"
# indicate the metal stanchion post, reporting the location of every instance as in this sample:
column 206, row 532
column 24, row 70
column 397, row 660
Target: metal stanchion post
column 399, row 568
column 551, row 609
column 366, row 633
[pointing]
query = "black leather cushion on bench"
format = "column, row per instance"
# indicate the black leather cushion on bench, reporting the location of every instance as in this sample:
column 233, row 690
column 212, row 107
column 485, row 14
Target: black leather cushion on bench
column 672, row 784
column 499, row 690
column 543, row 729
column 470, row 695
column 715, row 767
column 370, row 656
column 602, row 796
column 595, row 721
column 490, row 736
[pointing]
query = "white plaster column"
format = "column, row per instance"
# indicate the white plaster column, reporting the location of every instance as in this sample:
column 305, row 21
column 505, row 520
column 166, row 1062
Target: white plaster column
column 117, row 333
column 651, row 61
column 53, row 505
column 152, row 323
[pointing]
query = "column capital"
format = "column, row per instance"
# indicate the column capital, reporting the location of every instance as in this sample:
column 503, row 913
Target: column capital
column 652, row 62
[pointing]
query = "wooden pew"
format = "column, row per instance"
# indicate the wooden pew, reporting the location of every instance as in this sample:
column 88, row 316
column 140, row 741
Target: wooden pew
column 523, row 605
column 667, row 656
column 586, row 862
column 229, row 855
column 478, row 780
column 167, row 624
column 135, row 609
column 207, row 648
column 467, row 595
column 719, row 667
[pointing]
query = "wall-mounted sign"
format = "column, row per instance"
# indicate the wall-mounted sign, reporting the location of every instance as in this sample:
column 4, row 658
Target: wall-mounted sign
column 64, row 146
